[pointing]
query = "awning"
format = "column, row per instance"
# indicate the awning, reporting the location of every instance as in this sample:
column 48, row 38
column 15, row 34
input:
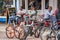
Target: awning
column 3, row 19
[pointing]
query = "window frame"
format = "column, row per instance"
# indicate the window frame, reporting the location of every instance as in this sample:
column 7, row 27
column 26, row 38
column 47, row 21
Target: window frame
column 45, row 4
column 37, row 9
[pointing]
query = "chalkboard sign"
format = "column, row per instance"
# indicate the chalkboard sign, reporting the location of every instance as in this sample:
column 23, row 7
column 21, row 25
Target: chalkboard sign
column 12, row 11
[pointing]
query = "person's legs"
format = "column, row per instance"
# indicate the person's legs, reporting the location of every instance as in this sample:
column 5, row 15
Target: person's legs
column 10, row 19
column 53, row 19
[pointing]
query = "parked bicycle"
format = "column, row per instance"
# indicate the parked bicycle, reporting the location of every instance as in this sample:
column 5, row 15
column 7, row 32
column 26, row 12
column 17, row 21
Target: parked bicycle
column 19, row 31
column 54, row 31
column 10, row 28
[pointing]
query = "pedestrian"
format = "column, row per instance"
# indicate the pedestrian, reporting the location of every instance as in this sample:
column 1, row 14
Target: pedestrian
column 21, row 13
column 57, row 14
column 32, row 11
column 50, row 15
column 47, row 14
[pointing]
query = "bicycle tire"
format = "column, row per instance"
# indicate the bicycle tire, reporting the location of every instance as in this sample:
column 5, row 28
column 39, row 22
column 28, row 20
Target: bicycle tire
column 22, row 35
column 19, row 33
column 50, row 37
column 16, row 33
column 36, row 34
column 9, row 32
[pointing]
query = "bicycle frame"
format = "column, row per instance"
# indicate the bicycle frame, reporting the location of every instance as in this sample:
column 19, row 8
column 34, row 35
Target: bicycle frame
column 53, row 31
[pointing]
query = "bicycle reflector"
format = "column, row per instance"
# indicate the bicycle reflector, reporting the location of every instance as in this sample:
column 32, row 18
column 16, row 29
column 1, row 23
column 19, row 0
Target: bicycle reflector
column 58, row 23
column 46, row 24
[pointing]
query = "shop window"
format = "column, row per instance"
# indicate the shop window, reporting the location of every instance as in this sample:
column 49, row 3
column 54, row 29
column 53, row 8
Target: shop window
column 9, row 2
column 3, row 6
column 46, row 4
column 35, row 3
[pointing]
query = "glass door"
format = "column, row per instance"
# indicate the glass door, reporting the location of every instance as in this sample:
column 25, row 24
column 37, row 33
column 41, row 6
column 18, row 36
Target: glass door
column 23, row 3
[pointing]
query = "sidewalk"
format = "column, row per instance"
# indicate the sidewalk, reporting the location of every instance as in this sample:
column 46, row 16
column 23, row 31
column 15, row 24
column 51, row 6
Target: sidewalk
column 2, row 27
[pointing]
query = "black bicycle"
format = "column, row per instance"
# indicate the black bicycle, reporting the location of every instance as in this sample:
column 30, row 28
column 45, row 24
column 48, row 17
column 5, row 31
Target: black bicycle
column 54, row 31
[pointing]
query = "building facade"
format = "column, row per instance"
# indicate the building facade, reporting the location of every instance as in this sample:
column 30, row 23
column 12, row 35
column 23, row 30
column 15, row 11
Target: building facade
column 43, row 4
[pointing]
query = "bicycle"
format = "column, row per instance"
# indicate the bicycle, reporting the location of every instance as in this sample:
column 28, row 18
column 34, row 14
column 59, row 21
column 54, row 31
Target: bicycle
column 10, row 28
column 36, row 29
column 53, row 30
column 19, row 31
column 41, row 27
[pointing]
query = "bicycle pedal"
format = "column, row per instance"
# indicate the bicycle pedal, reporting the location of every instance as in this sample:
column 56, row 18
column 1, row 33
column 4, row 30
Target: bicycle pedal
column 53, row 36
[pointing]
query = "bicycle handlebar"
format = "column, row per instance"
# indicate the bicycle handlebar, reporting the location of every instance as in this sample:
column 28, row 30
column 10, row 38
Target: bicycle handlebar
column 58, row 19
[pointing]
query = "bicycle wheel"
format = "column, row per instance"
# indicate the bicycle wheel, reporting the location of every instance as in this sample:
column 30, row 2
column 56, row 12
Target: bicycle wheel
column 9, row 32
column 51, row 37
column 36, row 34
column 21, row 34
column 17, row 32
column 48, row 38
